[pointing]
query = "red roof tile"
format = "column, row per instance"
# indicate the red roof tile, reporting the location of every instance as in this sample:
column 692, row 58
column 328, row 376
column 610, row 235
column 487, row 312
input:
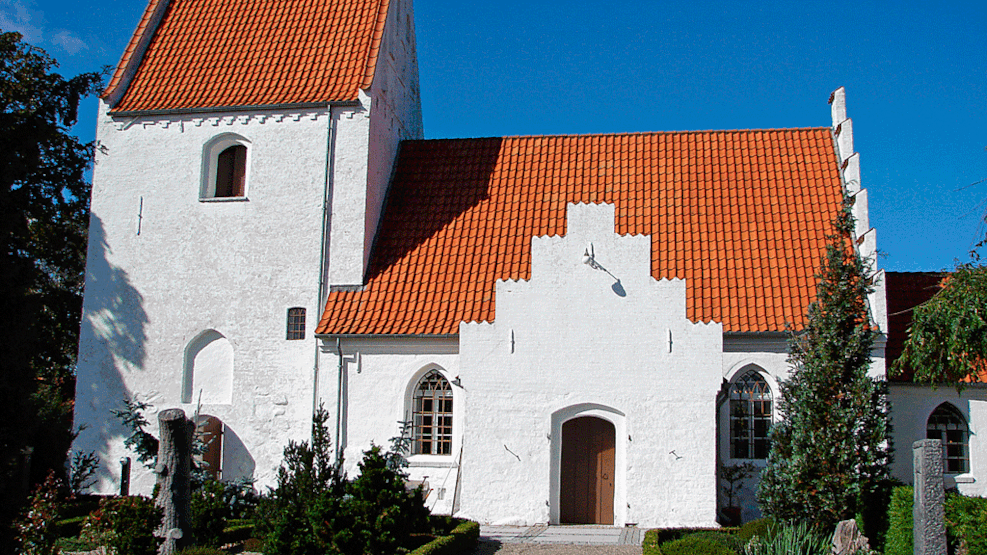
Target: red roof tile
column 905, row 291
column 748, row 240
column 216, row 53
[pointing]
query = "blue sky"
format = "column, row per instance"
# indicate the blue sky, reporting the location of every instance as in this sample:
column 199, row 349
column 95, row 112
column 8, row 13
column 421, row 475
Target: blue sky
column 916, row 80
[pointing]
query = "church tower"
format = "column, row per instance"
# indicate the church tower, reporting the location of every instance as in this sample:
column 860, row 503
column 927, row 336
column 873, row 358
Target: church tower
column 244, row 151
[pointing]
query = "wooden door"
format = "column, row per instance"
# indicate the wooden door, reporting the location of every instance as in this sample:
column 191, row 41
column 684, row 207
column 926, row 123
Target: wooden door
column 586, row 493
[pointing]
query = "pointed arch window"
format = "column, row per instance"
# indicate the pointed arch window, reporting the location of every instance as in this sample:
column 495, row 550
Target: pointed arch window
column 432, row 415
column 948, row 425
column 750, row 417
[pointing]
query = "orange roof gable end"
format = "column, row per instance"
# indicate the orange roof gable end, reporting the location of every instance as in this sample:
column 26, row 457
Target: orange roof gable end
column 213, row 54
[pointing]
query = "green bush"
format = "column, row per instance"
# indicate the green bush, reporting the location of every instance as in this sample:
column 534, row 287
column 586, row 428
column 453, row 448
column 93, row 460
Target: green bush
column 461, row 539
column 800, row 539
column 237, row 532
column 966, row 518
column 125, row 525
column 650, row 543
column 202, row 550
column 695, row 545
column 209, row 513
column 378, row 514
column 764, row 528
column 37, row 531
column 663, row 535
column 898, row 540
column 314, row 510
column 727, row 540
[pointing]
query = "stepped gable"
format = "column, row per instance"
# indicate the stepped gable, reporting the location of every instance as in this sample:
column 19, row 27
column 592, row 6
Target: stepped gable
column 195, row 54
column 742, row 216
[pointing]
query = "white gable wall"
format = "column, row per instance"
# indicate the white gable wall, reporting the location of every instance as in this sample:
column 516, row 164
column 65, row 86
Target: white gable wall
column 575, row 341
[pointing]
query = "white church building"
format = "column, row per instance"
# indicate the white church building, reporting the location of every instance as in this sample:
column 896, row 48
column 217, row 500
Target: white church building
column 579, row 329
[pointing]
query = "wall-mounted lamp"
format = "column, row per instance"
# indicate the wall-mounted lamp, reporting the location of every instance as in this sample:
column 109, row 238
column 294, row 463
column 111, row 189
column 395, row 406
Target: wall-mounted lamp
column 589, row 258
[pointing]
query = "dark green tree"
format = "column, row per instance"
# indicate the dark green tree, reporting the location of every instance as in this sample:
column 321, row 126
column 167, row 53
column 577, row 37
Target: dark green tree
column 43, row 219
column 831, row 452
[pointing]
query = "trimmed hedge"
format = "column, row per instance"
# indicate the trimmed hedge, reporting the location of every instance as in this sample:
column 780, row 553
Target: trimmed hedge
column 650, row 543
column 764, row 528
column 462, row 539
column 727, row 540
column 696, row 545
column 898, row 540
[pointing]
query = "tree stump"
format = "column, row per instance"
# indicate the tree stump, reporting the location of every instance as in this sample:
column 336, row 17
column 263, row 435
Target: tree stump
column 174, row 490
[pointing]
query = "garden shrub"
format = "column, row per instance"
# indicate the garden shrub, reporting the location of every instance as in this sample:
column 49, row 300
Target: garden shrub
column 650, row 543
column 763, row 528
column 237, row 532
column 898, row 540
column 378, row 513
column 314, row 510
column 799, row 539
column 966, row 518
column 730, row 541
column 461, row 539
column 664, row 535
column 695, row 545
column 36, row 529
column 202, row 550
column 209, row 513
column 125, row 525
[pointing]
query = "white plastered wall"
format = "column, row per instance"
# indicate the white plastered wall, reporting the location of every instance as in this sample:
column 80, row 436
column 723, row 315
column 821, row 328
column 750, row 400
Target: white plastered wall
column 379, row 374
column 387, row 113
column 911, row 405
column 165, row 267
column 613, row 343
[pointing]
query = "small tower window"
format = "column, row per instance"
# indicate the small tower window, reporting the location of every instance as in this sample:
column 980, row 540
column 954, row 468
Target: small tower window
column 296, row 323
column 225, row 168
column 231, row 172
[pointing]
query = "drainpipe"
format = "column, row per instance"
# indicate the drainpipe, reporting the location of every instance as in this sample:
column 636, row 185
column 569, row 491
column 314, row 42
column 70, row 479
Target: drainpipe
column 326, row 201
column 339, row 405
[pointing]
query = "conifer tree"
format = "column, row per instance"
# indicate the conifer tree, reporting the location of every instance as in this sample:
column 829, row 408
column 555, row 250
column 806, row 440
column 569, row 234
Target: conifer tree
column 831, row 452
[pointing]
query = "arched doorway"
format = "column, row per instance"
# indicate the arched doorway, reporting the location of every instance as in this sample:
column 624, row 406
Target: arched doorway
column 587, row 471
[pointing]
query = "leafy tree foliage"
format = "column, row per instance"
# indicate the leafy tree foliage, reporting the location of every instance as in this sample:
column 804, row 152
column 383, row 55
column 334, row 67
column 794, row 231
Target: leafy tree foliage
column 43, row 217
column 947, row 341
column 831, row 453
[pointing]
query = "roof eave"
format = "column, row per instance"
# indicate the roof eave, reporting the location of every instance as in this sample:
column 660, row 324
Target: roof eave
column 235, row 108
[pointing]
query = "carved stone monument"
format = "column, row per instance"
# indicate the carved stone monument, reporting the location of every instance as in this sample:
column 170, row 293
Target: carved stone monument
column 928, row 514
column 174, row 489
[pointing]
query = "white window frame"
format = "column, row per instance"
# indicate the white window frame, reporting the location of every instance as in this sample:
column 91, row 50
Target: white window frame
column 210, row 162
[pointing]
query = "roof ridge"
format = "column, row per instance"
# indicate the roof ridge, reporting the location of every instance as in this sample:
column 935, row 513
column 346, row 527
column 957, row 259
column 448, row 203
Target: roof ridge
column 626, row 134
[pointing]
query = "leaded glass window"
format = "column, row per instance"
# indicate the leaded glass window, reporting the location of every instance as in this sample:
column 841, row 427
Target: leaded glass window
column 750, row 417
column 432, row 415
column 948, row 425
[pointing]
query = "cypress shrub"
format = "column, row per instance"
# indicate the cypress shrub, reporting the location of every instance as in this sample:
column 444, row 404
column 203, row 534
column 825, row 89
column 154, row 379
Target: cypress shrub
column 898, row 540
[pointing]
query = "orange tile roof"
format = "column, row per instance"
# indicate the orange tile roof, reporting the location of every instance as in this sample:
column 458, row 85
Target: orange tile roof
column 217, row 53
column 741, row 215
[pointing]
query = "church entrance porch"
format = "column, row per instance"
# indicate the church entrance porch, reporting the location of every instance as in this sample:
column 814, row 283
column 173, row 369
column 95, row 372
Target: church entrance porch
column 587, row 471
